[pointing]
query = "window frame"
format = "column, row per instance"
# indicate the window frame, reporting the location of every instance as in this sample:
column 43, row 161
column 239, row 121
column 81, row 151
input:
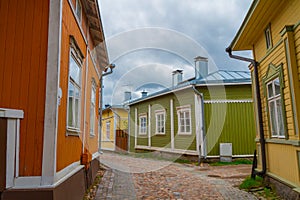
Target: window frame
column 143, row 116
column 107, row 131
column 268, row 37
column 74, row 130
column 78, row 10
column 93, row 109
column 275, row 73
column 157, row 126
column 184, row 109
column 274, row 98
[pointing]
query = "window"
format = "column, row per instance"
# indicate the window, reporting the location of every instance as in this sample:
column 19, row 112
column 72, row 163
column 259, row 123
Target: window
column 78, row 10
column 184, row 120
column 160, row 122
column 74, row 92
column 143, row 125
column 268, row 37
column 275, row 108
column 92, row 109
column 107, row 130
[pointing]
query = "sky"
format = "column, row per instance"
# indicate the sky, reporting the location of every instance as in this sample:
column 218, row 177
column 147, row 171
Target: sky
column 148, row 39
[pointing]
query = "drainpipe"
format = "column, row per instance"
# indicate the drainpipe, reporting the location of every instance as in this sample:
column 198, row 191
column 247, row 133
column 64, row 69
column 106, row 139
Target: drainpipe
column 259, row 109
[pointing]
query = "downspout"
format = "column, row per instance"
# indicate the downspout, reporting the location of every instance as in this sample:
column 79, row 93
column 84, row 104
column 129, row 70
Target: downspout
column 259, row 109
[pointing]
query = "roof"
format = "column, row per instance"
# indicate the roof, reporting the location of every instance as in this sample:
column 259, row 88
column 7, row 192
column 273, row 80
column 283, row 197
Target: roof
column 220, row 77
column 256, row 20
column 114, row 107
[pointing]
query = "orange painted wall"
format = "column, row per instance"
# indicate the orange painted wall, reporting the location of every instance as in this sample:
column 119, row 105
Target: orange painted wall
column 23, row 53
column 91, row 143
column 69, row 148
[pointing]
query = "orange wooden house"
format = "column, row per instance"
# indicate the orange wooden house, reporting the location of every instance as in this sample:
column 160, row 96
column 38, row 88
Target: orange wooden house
column 52, row 57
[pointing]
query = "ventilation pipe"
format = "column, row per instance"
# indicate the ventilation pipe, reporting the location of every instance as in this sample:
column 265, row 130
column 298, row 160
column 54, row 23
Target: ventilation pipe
column 259, row 109
column 127, row 96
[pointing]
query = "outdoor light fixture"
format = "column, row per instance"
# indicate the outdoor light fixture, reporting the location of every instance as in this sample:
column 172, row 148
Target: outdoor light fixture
column 110, row 66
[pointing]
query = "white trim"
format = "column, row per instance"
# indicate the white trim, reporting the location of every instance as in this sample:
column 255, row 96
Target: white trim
column 10, row 152
column 229, row 101
column 149, row 125
column 11, row 113
column 85, row 91
column 180, row 109
column 159, row 112
column 135, row 127
column 30, row 182
column 197, row 123
column 52, row 87
column 17, row 148
column 172, row 123
column 95, row 155
column 139, row 124
column 64, row 172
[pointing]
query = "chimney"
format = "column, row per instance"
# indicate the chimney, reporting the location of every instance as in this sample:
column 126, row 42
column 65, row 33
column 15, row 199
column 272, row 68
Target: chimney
column 144, row 94
column 201, row 67
column 176, row 77
column 127, row 96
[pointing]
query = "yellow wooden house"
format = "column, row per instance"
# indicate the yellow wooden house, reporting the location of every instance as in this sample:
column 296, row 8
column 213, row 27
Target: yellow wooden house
column 114, row 126
column 271, row 30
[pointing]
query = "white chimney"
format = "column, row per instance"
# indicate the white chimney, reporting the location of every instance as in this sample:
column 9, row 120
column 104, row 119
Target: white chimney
column 201, row 67
column 176, row 77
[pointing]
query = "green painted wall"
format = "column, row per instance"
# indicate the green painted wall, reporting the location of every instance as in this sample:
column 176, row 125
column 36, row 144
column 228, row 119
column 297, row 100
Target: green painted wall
column 235, row 126
column 231, row 122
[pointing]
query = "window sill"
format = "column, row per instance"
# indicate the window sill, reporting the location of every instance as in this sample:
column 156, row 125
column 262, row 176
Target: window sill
column 92, row 135
column 283, row 141
column 184, row 133
column 142, row 133
column 73, row 132
column 159, row 133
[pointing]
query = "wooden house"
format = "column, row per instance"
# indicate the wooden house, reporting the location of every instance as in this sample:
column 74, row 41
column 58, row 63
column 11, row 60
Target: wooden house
column 195, row 116
column 271, row 31
column 52, row 57
column 114, row 128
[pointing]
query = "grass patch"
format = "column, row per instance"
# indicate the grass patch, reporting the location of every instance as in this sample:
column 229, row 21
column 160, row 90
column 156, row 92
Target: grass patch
column 250, row 183
column 235, row 162
column 183, row 161
column 258, row 188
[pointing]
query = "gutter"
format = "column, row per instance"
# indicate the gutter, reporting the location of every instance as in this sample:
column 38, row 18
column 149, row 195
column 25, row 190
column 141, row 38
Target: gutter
column 259, row 109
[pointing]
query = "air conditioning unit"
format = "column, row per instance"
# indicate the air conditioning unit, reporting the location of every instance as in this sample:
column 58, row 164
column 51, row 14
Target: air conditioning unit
column 226, row 152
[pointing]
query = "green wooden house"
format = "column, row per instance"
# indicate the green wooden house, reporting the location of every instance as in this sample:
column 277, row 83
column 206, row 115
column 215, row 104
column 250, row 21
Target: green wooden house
column 195, row 116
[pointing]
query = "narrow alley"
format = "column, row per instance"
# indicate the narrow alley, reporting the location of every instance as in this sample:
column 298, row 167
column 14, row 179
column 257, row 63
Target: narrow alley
column 128, row 177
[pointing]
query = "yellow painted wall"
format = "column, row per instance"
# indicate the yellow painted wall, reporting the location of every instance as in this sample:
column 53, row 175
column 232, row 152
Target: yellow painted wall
column 282, row 158
column 116, row 122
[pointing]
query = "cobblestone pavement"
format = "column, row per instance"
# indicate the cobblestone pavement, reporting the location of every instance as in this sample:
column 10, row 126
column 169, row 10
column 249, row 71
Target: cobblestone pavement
column 139, row 178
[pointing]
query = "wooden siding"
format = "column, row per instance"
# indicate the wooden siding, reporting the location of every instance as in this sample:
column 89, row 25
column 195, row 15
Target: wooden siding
column 282, row 160
column 226, row 92
column 91, row 142
column 69, row 148
column 23, row 53
column 235, row 125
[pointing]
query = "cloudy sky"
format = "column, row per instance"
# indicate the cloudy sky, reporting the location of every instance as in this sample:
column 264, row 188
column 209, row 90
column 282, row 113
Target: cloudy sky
column 148, row 39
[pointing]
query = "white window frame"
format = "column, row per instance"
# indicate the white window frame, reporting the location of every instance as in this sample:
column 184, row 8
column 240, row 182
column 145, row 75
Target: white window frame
column 107, row 131
column 268, row 37
column 160, row 122
column 275, row 98
column 78, row 10
column 74, row 128
column 93, row 109
column 143, row 130
column 184, row 109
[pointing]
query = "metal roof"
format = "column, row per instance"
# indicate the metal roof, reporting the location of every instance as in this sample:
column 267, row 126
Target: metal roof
column 220, row 77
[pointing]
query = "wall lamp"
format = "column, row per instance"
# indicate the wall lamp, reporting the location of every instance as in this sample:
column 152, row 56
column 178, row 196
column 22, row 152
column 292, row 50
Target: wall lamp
column 108, row 67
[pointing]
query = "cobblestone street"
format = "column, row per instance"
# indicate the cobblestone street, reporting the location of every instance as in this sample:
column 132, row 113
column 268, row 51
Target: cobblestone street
column 139, row 178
